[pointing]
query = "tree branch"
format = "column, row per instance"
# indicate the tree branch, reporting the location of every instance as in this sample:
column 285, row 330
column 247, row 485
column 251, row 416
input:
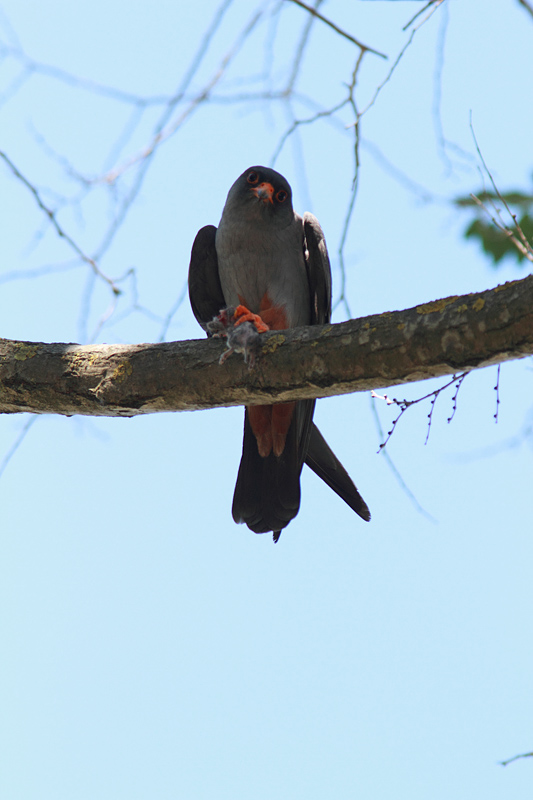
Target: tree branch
column 455, row 334
column 338, row 30
column 527, row 6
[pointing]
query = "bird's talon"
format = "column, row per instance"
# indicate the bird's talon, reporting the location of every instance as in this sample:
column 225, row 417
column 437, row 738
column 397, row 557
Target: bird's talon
column 243, row 314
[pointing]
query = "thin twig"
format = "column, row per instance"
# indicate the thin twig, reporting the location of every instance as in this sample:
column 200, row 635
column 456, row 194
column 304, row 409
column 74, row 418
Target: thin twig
column 304, row 40
column 454, row 398
column 524, row 246
column 59, row 230
column 437, row 90
column 168, row 319
column 38, row 272
column 399, row 57
column 527, row 6
column 405, row 404
column 408, row 24
column 308, row 121
column 163, row 133
column 32, row 66
column 394, row 469
column 18, row 441
column 355, row 183
column 338, row 30
column 497, row 390
column 515, row 758
column 424, row 194
column 159, row 135
column 526, row 249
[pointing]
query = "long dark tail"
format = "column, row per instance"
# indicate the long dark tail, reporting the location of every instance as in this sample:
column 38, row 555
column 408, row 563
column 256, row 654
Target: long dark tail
column 267, row 492
column 323, row 461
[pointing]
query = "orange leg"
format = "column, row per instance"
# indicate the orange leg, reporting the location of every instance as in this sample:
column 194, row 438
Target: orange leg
column 242, row 314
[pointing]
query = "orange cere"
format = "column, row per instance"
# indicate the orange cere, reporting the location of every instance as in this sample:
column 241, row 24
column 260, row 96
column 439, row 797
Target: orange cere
column 264, row 192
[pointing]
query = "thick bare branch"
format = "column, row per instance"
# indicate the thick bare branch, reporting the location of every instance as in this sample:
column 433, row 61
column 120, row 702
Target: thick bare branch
column 447, row 336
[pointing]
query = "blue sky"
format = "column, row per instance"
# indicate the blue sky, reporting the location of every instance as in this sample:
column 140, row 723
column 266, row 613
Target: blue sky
column 151, row 647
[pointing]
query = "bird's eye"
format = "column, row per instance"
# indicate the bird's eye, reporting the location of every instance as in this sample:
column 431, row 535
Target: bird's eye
column 253, row 177
column 281, row 196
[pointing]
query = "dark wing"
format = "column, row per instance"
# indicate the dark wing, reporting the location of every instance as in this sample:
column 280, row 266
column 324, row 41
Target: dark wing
column 319, row 455
column 319, row 277
column 205, row 291
column 318, row 270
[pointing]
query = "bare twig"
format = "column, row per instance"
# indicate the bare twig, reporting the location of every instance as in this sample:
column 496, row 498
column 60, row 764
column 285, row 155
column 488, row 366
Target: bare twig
column 59, row 230
column 31, row 66
column 424, row 194
column 164, row 132
column 437, row 90
column 16, row 84
column 515, row 758
column 338, row 30
column 522, row 244
column 405, row 404
column 527, row 6
column 307, row 121
column 526, row 248
column 37, row 272
column 444, row 145
column 497, row 390
column 418, row 13
column 355, row 183
column 454, row 398
column 18, row 441
column 392, row 466
column 168, row 319
column 328, row 114
column 300, row 50
column 400, row 56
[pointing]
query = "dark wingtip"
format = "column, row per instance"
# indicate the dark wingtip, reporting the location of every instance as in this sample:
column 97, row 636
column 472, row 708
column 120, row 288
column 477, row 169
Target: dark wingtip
column 275, row 536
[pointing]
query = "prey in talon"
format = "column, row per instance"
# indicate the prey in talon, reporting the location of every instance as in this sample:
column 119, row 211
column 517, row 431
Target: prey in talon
column 244, row 339
column 241, row 330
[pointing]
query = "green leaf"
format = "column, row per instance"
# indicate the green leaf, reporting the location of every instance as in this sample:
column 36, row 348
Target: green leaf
column 493, row 241
column 519, row 199
column 496, row 243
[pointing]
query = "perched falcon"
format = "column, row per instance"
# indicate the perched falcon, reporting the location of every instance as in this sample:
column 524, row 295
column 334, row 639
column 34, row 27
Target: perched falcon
column 266, row 258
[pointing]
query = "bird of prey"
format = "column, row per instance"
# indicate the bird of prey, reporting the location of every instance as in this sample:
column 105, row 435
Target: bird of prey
column 266, row 260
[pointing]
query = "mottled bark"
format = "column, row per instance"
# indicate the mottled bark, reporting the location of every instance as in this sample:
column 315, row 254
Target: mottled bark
column 455, row 334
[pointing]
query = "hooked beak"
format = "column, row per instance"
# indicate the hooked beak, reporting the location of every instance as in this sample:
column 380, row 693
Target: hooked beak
column 264, row 192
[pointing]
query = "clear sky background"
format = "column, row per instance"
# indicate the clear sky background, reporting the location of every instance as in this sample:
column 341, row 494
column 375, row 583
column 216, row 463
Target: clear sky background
column 150, row 647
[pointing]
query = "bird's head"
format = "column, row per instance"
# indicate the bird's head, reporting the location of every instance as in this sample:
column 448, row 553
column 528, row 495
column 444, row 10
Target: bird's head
column 261, row 194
